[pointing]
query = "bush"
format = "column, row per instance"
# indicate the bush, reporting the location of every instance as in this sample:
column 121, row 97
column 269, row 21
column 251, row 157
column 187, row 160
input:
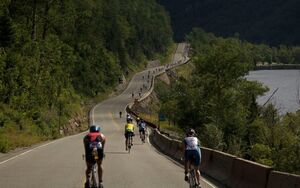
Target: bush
column 5, row 145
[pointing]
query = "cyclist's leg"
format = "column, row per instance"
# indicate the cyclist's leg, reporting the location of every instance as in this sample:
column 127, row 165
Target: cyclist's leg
column 196, row 163
column 131, row 138
column 100, row 171
column 100, row 167
column 143, row 135
column 186, row 164
column 140, row 130
column 126, row 140
column 88, row 171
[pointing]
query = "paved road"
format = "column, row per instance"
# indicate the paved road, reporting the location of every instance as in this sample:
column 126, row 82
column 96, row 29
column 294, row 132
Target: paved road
column 59, row 164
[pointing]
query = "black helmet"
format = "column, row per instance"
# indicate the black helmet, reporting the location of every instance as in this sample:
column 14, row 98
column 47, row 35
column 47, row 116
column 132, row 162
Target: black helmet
column 129, row 119
column 191, row 132
column 94, row 128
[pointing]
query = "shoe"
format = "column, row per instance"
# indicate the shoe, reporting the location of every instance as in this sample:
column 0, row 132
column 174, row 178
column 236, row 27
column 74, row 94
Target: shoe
column 186, row 177
column 100, row 185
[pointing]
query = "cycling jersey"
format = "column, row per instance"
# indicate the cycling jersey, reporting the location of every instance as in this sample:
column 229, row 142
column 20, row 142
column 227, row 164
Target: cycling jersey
column 129, row 127
column 191, row 143
column 192, row 150
column 93, row 139
column 142, row 126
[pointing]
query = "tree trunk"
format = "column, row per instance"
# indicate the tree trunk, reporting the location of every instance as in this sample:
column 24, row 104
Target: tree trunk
column 45, row 27
column 33, row 29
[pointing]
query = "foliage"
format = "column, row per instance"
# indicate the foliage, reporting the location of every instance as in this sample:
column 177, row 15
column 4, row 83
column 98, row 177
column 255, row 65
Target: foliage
column 55, row 54
column 221, row 105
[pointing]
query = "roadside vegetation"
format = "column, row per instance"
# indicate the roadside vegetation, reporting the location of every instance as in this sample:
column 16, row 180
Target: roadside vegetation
column 56, row 56
column 217, row 100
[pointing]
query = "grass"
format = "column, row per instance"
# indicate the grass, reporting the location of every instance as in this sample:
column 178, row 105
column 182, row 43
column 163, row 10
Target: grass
column 163, row 125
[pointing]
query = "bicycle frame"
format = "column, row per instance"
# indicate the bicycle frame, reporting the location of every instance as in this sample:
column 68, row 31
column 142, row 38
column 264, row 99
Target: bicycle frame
column 129, row 142
column 192, row 177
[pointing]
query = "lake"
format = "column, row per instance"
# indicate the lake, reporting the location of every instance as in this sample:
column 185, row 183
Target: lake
column 286, row 82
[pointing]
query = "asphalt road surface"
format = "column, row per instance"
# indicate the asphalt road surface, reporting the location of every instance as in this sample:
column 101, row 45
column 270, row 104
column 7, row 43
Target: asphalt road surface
column 59, row 164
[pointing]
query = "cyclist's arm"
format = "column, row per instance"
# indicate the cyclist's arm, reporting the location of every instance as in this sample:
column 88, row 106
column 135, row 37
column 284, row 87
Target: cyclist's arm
column 183, row 148
column 103, row 141
column 85, row 140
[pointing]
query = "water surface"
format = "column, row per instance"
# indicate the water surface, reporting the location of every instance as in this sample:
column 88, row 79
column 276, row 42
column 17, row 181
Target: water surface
column 286, row 82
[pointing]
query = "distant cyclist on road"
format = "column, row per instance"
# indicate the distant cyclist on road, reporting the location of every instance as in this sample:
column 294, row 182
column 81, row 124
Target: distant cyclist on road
column 129, row 131
column 94, row 137
column 192, row 153
column 128, row 117
column 142, row 129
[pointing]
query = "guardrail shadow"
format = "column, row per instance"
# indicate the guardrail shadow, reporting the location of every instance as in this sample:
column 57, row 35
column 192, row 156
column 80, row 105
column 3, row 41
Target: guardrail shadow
column 116, row 152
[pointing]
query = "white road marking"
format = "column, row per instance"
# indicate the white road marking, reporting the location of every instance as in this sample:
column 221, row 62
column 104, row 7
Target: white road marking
column 28, row 151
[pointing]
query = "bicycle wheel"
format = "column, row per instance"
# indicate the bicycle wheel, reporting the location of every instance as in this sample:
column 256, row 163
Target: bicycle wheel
column 128, row 144
column 192, row 179
column 95, row 179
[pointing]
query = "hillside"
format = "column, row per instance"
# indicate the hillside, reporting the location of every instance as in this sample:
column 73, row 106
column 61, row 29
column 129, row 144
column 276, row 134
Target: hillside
column 271, row 21
column 54, row 55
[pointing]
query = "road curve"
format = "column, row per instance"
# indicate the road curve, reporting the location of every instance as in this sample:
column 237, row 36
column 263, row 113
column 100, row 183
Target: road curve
column 59, row 164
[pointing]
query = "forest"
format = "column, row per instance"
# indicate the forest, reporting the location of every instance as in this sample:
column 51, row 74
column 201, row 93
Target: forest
column 55, row 54
column 216, row 99
column 273, row 22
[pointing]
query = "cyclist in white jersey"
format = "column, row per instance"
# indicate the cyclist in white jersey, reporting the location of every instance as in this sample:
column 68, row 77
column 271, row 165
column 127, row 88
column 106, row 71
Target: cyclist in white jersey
column 192, row 154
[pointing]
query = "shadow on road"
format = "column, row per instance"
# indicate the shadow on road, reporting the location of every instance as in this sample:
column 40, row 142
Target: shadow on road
column 116, row 152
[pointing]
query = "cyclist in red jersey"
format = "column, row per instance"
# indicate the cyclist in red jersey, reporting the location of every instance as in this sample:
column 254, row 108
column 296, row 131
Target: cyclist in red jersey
column 97, row 138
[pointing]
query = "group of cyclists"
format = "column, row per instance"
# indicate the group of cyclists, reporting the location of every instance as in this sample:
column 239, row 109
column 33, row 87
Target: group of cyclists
column 129, row 130
column 191, row 154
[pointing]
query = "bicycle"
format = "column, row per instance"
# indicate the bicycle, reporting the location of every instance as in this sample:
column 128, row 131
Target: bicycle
column 95, row 176
column 142, row 136
column 192, row 177
column 129, row 142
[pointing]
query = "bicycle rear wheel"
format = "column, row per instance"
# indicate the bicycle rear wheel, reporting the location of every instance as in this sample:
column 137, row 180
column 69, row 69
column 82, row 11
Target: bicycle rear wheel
column 192, row 179
column 128, row 144
column 95, row 178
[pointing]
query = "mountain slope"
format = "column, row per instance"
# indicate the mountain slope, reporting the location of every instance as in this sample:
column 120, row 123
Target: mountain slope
column 271, row 21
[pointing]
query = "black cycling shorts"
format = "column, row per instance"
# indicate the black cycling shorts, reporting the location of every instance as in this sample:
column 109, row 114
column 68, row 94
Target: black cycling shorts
column 89, row 157
column 142, row 131
column 128, row 133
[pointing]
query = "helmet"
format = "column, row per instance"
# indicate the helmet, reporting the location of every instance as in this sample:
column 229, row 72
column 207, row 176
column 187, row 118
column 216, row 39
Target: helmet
column 94, row 128
column 138, row 119
column 191, row 132
column 129, row 119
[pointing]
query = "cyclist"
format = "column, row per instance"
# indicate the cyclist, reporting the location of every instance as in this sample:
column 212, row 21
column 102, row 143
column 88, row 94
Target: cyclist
column 192, row 153
column 128, row 117
column 142, row 128
column 94, row 136
column 138, row 120
column 129, row 131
